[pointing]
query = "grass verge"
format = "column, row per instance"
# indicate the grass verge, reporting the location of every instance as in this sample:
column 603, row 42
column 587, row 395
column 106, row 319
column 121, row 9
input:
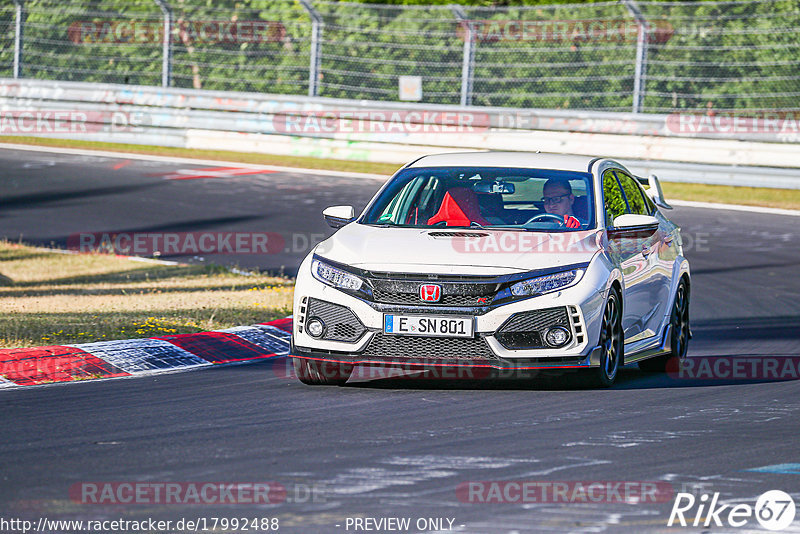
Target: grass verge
column 50, row 298
column 726, row 194
column 749, row 196
column 221, row 155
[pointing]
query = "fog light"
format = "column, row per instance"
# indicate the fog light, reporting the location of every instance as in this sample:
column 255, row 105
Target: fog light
column 315, row 327
column 556, row 336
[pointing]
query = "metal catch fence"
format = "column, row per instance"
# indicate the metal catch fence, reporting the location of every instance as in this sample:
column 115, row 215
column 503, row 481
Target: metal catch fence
column 641, row 56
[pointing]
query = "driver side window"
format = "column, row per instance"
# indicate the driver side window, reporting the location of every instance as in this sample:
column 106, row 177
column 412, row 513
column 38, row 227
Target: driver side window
column 612, row 197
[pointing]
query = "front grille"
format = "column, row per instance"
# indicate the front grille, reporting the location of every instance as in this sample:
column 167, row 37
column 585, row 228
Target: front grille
column 428, row 348
column 459, row 292
column 341, row 324
column 388, row 297
column 526, row 330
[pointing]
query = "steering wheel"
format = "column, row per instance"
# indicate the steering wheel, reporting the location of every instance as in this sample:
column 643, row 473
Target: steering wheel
column 558, row 218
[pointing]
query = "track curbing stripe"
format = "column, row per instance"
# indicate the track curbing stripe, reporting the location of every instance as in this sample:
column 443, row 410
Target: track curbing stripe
column 264, row 338
column 54, row 363
column 5, row 383
column 136, row 357
column 140, row 355
column 282, row 324
column 218, row 347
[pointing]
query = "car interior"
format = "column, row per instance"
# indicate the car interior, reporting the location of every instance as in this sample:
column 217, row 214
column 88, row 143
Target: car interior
column 454, row 204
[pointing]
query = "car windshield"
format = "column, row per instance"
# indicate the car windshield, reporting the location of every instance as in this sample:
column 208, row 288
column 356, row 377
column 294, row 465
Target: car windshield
column 486, row 197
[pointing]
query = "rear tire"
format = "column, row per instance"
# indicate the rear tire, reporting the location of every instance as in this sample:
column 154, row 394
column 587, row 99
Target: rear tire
column 679, row 332
column 611, row 341
column 315, row 373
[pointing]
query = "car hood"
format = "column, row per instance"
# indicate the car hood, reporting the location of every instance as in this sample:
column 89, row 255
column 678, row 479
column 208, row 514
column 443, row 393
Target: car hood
column 449, row 251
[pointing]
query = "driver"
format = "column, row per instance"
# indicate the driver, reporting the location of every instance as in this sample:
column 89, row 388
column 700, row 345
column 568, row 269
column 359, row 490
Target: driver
column 558, row 200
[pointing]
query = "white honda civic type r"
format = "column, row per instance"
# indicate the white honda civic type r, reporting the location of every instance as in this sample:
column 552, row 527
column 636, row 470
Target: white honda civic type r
column 501, row 260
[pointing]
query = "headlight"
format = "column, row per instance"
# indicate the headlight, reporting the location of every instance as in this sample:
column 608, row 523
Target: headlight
column 335, row 277
column 547, row 283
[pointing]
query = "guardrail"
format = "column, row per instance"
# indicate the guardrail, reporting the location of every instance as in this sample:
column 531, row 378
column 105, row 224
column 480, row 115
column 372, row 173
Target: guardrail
column 396, row 132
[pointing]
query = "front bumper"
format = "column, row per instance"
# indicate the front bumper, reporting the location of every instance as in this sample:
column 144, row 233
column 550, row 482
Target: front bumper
column 579, row 362
column 354, row 330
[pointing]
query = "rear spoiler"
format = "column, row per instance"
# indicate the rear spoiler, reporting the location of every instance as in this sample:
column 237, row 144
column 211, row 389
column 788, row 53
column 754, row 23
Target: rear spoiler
column 654, row 191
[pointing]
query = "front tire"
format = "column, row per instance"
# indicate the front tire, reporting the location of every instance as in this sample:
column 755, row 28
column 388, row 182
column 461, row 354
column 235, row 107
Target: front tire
column 611, row 341
column 679, row 332
column 314, row 373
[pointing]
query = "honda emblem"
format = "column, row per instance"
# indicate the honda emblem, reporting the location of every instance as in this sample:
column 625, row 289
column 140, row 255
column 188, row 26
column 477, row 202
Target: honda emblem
column 430, row 292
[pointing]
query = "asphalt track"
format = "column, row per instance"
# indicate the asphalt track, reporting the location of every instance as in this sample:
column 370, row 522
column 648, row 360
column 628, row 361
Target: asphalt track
column 51, row 199
column 396, row 448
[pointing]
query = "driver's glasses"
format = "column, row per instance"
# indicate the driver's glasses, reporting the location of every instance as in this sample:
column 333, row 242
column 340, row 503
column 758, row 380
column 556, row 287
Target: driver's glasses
column 554, row 200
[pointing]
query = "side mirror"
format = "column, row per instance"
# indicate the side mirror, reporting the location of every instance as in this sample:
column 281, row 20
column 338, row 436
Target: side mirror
column 632, row 223
column 656, row 194
column 338, row 216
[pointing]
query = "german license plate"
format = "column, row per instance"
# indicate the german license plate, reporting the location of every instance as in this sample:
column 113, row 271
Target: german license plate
column 428, row 325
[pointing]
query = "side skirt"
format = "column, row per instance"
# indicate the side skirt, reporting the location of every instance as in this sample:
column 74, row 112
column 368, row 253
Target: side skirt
column 664, row 347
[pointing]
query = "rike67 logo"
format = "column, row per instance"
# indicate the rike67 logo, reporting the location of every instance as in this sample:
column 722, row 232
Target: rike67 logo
column 774, row 510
